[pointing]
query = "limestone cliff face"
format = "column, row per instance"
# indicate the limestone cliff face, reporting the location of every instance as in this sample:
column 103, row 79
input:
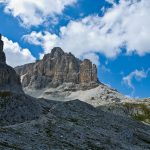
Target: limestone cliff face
column 57, row 68
column 88, row 72
column 9, row 80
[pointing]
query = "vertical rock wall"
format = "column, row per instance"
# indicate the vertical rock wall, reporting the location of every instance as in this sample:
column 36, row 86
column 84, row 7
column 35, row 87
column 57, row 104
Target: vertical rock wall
column 88, row 72
column 9, row 80
column 57, row 68
column 2, row 54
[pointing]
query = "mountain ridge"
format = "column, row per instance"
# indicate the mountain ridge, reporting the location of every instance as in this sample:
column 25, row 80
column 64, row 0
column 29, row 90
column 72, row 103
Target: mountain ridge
column 57, row 68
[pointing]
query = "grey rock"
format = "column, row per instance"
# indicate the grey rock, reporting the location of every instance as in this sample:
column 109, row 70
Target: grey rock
column 9, row 80
column 57, row 68
column 88, row 72
column 2, row 54
column 76, row 125
column 17, row 108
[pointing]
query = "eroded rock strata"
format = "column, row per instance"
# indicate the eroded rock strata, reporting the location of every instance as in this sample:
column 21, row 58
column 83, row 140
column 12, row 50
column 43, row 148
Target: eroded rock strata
column 56, row 68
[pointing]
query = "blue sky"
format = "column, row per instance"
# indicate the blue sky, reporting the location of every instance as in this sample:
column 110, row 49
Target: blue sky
column 114, row 34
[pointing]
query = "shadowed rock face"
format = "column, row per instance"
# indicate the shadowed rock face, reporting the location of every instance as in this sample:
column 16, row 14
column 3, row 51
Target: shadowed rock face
column 57, row 68
column 2, row 54
column 72, row 125
column 9, row 80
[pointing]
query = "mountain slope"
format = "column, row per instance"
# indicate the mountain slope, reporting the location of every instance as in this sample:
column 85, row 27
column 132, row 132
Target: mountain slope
column 99, row 95
column 27, row 123
column 76, row 125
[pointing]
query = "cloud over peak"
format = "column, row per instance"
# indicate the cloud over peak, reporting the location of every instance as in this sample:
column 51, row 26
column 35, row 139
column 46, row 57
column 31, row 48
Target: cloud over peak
column 124, row 25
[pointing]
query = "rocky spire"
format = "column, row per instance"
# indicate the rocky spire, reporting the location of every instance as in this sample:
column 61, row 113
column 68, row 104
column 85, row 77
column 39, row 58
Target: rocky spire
column 88, row 72
column 9, row 80
column 2, row 54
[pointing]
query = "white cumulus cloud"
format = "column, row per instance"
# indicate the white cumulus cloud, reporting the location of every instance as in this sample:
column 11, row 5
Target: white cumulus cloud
column 35, row 12
column 15, row 55
column 110, row 1
column 138, row 75
column 124, row 25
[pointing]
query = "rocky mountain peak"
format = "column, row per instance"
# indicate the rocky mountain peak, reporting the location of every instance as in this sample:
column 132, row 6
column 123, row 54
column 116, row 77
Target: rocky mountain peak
column 56, row 52
column 9, row 80
column 57, row 68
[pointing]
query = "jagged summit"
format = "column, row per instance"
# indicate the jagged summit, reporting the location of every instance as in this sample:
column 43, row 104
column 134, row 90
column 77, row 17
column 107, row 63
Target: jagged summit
column 9, row 80
column 56, row 51
column 57, row 68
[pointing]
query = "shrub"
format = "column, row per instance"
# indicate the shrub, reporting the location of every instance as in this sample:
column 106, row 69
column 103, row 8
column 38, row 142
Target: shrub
column 5, row 94
column 144, row 116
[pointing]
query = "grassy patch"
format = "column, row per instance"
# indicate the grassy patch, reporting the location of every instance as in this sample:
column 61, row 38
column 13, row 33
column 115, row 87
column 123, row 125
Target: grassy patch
column 49, row 129
column 5, row 94
column 143, row 112
column 3, row 130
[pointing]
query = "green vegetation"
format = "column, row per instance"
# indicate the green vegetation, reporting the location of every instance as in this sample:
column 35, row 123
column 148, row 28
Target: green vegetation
column 140, row 112
column 48, row 132
column 3, row 130
column 5, row 98
column 48, row 129
column 5, row 94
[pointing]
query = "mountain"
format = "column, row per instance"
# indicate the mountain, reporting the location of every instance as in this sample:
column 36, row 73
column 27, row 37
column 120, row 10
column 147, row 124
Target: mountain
column 62, row 76
column 9, row 80
column 15, row 106
column 28, row 123
column 57, row 68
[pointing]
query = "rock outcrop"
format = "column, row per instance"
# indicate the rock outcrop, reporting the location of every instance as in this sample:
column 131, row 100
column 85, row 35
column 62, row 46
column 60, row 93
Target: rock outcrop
column 57, row 68
column 9, row 80
column 15, row 106
column 2, row 54
column 88, row 72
